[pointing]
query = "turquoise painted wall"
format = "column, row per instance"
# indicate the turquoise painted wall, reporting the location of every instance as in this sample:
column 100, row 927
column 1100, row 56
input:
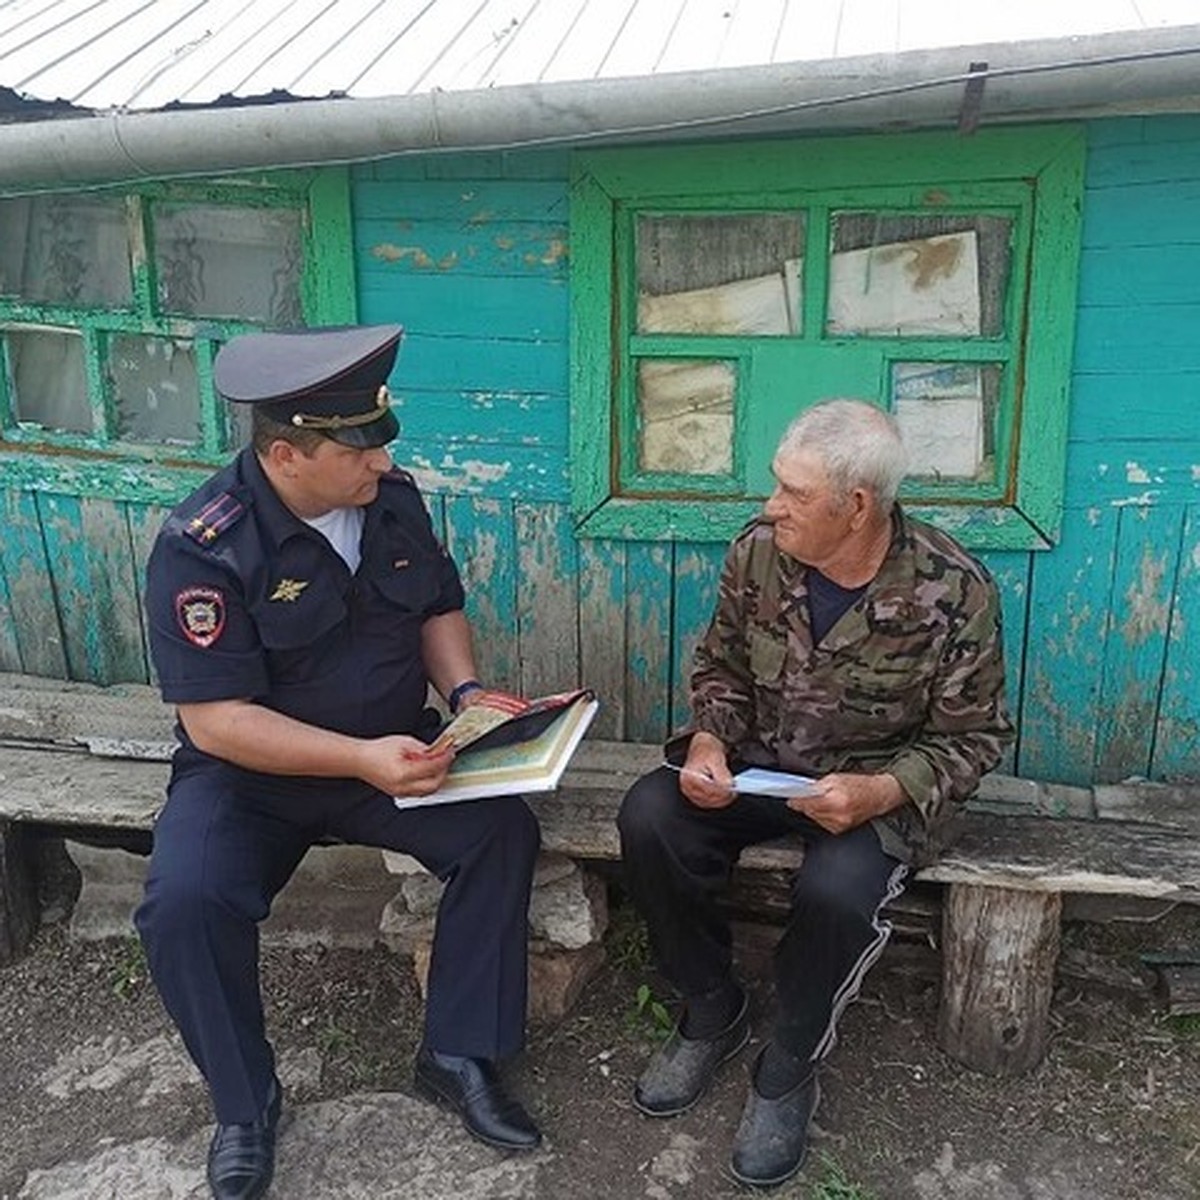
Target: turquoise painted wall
column 470, row 253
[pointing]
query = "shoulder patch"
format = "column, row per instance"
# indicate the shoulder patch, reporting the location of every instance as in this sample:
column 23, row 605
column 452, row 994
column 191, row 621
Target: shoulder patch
column 214, row 518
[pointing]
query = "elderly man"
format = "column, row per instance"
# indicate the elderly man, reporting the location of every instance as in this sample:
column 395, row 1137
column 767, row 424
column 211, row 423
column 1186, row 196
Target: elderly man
column 858, row 647
column 300, row 605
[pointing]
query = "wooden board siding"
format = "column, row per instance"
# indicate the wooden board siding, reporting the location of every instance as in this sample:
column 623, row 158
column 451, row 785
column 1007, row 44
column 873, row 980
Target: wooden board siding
column 1102, row 633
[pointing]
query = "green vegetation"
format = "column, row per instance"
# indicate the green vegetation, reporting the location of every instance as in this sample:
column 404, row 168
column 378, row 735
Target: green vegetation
column 834, row 1184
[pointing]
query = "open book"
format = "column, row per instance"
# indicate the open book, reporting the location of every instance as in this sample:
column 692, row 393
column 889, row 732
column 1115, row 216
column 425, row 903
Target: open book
column 501, row 752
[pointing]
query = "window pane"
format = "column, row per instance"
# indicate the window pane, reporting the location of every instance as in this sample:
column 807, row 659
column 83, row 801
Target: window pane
column 65, row 250
column 737, row 274
column 219, row 261
column 48, row 382
column 918, row 275
column 155, row 390
column 685, row 410
column 947, row 416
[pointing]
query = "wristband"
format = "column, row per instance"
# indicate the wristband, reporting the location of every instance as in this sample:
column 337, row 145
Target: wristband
column 456, row 695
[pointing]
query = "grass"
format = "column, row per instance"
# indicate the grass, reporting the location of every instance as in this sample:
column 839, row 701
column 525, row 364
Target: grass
column 834, row 1184
column 131, row 970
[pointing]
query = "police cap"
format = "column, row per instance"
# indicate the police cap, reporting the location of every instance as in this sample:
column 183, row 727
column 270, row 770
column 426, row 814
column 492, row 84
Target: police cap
column 328, row 380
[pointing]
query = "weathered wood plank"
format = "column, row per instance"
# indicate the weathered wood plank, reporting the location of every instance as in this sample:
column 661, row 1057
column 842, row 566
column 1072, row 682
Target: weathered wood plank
column 37, row 709
column 80, row 789
column 1177, row 737
column 697, row 573
column 505, row 306
column 547, row 598
column 649, row 568
column 395, row 253
column 1127, row 709
column 145, row 520
column 1065, row 651
column 602, row 631
column 1101, row 857
column 10, row 652
column 87, row 542
column 30, row 592
column 480, row 537
column 1012, row 570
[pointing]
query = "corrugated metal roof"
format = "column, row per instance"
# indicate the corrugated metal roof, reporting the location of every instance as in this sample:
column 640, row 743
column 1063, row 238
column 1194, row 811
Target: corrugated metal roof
column 148, row 54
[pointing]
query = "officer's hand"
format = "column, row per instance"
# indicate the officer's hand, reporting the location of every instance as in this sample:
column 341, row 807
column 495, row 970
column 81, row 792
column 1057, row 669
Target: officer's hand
column 840, row 802
column 404, row 766
column 705, row 779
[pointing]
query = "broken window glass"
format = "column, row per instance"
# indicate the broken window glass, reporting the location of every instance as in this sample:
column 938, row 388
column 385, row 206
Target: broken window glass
column 733, row 274
column 155, row 391
column 942, row 275
column 48, row 382
column 71, row 250
column 221, row 261
column 947, row 416
column 685, row 411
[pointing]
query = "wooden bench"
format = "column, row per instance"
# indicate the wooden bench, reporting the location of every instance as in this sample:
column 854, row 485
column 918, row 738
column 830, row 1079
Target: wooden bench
column 91, row 763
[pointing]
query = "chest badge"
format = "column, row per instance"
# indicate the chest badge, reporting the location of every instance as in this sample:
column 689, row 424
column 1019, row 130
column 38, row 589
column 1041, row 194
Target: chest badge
column 288, row 589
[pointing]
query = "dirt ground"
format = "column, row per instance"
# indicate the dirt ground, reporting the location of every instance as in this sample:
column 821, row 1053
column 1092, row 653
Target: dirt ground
column 1113, row 1113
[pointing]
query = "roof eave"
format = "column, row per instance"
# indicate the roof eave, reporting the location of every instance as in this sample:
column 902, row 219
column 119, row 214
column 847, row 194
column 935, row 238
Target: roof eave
column 1101, row 75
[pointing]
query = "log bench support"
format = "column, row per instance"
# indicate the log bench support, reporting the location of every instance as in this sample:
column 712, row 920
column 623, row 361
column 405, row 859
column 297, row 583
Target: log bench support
column 999, row 950
column 18, row 891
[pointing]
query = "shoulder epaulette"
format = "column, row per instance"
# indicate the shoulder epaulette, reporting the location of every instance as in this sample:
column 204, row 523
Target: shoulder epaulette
column 214, row 518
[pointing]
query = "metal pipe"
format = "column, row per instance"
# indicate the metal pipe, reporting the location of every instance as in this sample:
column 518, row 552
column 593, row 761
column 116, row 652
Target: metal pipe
column 1104, row 74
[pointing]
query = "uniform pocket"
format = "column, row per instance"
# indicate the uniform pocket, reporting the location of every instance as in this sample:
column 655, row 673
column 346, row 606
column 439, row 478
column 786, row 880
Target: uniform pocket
column 413, row 586
column 767, row 656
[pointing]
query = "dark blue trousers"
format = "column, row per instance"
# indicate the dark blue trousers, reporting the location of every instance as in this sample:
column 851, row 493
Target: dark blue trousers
column 224, row 845
column 677, row 862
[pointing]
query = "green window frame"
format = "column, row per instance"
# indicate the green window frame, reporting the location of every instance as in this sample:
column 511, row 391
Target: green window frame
column 96, row 460
column 1026, row 181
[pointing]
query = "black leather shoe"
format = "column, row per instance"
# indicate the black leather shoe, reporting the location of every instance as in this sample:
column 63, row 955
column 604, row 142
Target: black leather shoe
column 772, row 1139
column 241, row 1158
column 471, row 1087
column 680, row 1072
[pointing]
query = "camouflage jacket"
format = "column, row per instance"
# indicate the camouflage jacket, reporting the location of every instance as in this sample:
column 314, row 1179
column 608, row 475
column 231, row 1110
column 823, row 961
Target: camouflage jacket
column 910, row 680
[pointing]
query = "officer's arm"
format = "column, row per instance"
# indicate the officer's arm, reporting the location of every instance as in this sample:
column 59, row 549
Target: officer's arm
column 447, row 651
column 260, row 739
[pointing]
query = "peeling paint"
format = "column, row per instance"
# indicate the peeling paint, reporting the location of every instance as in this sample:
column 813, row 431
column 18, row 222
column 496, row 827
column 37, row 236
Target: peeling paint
column 449, row 475
column 554, row 253
column 1136, row 474
column 1145, row 498
column 1148, row 615
column 482, row 217
column 1093, row 516
column 388, row 252
column 504, row 243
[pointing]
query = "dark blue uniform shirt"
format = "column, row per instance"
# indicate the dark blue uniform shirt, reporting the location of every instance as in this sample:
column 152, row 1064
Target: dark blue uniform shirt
column 246, row 601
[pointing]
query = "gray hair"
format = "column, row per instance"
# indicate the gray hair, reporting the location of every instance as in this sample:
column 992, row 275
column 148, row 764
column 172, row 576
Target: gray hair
column 858, row 443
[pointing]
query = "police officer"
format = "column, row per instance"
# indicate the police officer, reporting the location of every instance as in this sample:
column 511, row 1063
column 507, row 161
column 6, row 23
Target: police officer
column 299, row 606
column 852, row 644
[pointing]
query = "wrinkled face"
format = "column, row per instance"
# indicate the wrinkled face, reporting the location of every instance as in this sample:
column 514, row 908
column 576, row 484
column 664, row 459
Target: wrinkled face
column 811, row 522
column 337, row 476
